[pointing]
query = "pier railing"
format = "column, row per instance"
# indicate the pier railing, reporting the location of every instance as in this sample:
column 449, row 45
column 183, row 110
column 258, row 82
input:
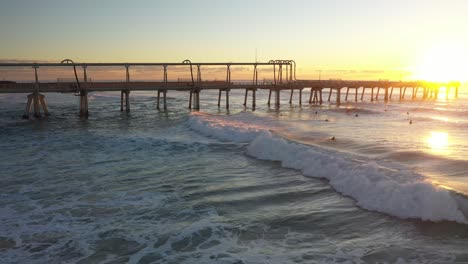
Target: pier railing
column 283, row 77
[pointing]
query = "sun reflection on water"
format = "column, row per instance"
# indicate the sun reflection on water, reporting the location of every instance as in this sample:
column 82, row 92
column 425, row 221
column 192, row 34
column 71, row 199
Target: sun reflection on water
column 438, row 142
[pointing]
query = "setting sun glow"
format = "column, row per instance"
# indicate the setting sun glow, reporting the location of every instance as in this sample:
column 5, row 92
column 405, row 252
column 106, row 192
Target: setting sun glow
column 441, row 64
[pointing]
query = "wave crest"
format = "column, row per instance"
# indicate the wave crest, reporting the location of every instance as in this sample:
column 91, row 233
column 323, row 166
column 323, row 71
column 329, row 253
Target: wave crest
column 395, row 191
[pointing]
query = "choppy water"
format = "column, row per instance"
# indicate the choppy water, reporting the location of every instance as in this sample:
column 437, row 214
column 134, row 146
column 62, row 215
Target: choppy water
column 234, row 187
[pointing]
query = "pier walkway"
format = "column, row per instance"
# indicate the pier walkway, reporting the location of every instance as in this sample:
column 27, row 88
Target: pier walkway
column 283, row 79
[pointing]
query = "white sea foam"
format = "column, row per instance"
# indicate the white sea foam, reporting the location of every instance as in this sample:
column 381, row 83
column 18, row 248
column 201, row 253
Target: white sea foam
column 398, row 192
column 236, row 129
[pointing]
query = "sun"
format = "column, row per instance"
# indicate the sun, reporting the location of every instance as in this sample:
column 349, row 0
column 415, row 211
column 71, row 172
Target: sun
column 442, row 63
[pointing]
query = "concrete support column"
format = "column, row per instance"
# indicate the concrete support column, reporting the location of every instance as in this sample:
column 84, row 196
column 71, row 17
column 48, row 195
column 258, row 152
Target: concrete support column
column 125, row 101
column 320, row 91
column 254, row 98
column 28, row 107
column 269, row 97
column 277, row 97
column 227, row 99
column 194, row 101
column 338, row 95
column 198, row 100
column 84, row 104
column 300, row 96
column 43, row 104
column 157, row 99
column 227, row 90
column 415, row 92
column 316, row 95
column 36, row 105
column 164, row 92
column 35, row 102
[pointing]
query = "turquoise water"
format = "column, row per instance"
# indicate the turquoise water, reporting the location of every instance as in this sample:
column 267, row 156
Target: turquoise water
column 181, row 187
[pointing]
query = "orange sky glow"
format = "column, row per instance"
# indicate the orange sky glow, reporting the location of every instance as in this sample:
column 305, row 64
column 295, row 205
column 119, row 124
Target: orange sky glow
column 362, row 39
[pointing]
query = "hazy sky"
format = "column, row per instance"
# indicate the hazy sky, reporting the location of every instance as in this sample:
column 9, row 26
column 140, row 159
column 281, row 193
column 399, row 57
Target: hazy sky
column 359, row 36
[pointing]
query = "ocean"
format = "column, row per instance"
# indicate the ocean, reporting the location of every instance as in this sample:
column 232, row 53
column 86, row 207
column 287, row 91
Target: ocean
column 365, row 182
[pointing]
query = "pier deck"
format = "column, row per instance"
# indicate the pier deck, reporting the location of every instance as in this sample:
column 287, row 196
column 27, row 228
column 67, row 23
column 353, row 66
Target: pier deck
column 283, row 78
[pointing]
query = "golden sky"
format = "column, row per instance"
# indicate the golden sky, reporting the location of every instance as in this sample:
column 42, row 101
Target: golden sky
column 359, row 39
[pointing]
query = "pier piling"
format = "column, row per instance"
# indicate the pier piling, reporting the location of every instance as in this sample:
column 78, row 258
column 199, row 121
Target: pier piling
column 28, row 108
column 125, row 101
column 315, row 95
column 35, row 102
column 194, row 100
column 269, row 97
column 219, row 98
column 84, row 104
column 227, row 90
column 277, row 97
column 164, row 92
column 415, row 92
column 377, row 94
column 300, row 96
column 245, row 97
column 363, row 92
column 356, row 91
column 338, row 96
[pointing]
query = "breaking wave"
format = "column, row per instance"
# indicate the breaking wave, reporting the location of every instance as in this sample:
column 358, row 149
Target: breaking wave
column 383, row 187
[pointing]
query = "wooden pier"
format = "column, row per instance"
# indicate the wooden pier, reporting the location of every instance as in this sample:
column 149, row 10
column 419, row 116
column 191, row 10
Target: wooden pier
column 283, row 79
